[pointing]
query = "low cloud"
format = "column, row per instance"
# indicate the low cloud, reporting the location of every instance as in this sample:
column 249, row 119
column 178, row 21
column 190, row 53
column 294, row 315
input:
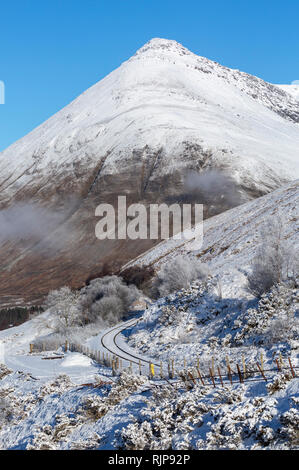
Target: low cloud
column 212, row 187
column 31, row 223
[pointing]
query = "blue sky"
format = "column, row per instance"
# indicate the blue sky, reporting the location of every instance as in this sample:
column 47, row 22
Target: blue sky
column 53, row 50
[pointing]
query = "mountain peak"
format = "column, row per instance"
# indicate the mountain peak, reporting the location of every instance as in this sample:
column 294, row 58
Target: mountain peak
column 163, row 45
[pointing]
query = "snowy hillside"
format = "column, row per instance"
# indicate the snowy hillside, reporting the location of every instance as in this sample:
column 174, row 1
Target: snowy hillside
column 225, row 363
column 291, row 89
column 139, row 131
column 231, row 239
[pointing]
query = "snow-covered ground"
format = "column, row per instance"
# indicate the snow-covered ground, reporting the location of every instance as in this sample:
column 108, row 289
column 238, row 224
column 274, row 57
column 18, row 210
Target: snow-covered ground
column 292, row 89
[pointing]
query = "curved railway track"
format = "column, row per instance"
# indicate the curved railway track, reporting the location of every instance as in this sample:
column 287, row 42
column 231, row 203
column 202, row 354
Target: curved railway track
column 130, row 357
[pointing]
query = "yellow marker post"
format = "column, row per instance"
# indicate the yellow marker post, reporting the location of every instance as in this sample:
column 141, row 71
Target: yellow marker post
column 152, row 370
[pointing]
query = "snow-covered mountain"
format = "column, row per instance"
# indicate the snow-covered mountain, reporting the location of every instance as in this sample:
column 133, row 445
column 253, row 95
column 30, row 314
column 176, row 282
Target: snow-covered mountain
column 292, row 89
column 160, row 102
column 138, row 132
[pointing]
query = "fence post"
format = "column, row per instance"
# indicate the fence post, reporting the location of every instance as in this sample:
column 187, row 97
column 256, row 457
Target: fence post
column 229, row 373
column 261, row 371
column 212, row 377
column 31, row 348
column 244, row 366
column 291, row 366
column 191, row 377
column 213, row 365
column 240, row 374
column 200, row 376
column 151, row 370
column 219, row 372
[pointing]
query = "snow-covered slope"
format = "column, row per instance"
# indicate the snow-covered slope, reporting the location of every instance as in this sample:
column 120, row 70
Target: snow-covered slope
column 231, row 239
column 291, row 89
column 138, row 132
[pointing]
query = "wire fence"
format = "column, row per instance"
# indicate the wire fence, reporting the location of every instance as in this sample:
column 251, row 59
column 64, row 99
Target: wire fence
column 216, row 376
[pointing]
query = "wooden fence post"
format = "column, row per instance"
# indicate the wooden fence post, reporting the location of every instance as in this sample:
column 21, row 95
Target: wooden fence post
column 213, row 365
column 292, row 369
column 244, row 366
column 219, row 372
column 240, row 374
column 191, row 377
column 229, row 372
column 261, row 371
column 200, row 376
column 212, row 377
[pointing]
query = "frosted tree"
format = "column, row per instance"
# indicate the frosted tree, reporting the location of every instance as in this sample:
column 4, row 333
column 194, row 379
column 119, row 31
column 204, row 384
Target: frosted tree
column 64, row 303
column 178, row 274
column 274, row 260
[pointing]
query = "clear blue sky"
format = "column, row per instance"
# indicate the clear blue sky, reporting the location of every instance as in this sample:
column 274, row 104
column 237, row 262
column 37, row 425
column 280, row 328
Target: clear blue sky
column 52, row 50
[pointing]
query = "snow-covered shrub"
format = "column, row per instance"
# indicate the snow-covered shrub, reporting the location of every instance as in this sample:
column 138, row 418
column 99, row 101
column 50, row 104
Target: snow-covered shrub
column 5, row 410
column 167, row 421
column 108, row 298
column 282, row 329
column 177, row 274
column 290, row 429
column 58, row 386
column 4, row 371
column 97, row 406
column 279, row 382
column 274, row 320
column 230, row 396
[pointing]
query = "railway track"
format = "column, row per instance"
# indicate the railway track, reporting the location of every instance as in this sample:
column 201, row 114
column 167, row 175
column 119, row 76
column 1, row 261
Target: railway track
column 120, row 352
